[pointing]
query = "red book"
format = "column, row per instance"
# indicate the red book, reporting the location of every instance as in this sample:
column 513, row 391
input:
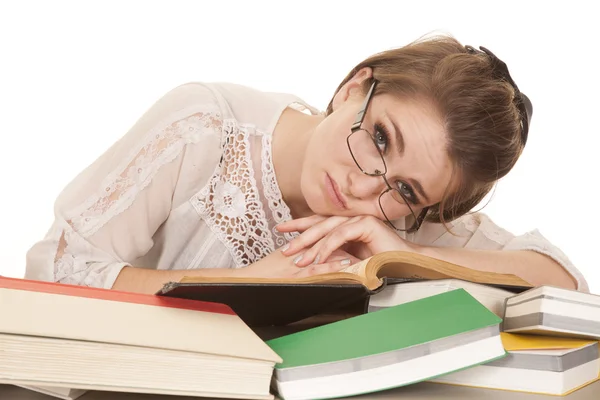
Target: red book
column 114, row 295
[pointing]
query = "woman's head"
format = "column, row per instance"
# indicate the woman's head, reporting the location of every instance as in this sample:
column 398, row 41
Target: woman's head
column 459, row 115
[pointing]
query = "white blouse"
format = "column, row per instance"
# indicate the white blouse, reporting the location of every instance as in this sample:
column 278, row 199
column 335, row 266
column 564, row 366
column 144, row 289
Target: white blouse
column 192, row 185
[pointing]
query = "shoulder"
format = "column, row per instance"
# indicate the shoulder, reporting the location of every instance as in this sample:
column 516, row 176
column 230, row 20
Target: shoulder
column 246, row 105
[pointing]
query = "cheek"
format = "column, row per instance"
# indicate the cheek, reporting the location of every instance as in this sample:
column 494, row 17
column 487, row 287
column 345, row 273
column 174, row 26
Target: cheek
column 328, row 145
column 336, row 127
column 396, row 211
column 311, row 190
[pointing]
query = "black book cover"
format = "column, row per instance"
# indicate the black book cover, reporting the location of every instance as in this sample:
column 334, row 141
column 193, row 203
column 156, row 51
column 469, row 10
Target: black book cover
column 261, row 305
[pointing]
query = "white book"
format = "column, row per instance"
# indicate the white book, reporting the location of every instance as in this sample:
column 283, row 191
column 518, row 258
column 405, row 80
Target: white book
column 59, row 392
column 492, row 298
column 551, row 371
column 548, row 310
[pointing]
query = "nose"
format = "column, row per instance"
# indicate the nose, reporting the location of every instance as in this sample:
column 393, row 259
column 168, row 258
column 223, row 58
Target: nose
column 365, row 187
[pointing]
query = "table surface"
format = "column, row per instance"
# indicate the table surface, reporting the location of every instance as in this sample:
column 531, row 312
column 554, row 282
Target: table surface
column 420, row 391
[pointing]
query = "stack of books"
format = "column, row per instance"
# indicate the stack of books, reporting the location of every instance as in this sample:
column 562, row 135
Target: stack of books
column 551, row 338
column 398, row 319
column 62, row 339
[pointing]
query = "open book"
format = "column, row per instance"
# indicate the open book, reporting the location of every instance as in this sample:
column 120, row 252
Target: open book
column 274, row 301
column 392, row 264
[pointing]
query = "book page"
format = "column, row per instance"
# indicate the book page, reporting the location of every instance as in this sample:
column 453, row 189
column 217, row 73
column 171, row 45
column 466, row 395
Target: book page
column 404, row 270
column 417, row 266
column 357, row 269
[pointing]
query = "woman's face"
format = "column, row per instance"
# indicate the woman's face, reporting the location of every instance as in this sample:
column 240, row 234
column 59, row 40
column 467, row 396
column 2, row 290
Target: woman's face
column 412, row 140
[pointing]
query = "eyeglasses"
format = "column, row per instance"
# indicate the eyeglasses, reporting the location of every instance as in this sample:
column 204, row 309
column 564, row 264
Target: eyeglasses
column 369, row 159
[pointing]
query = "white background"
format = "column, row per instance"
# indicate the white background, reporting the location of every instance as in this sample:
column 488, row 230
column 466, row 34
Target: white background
column 74, row 76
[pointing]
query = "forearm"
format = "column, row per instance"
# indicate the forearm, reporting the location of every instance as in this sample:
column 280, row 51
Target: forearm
column 149, row 281
column 142, row 280
column 535, row 268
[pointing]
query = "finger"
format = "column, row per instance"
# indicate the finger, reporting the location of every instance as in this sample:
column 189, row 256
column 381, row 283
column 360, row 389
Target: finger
column 352, row 231
column 299, row 224
column 312, row 235
column 328, row 267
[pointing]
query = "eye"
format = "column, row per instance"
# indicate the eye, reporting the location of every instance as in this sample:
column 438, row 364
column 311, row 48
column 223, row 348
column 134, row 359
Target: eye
column 381, row 138
column 407, row 192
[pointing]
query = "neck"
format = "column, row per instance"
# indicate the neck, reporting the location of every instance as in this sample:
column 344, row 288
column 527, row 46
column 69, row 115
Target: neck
column 290, row 140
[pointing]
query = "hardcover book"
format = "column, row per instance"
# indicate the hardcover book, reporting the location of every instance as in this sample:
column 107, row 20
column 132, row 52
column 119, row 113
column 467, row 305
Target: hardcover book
column 272, row 302
column 396, row 346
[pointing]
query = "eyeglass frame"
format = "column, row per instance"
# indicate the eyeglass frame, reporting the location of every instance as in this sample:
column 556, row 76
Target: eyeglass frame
column 357, row 126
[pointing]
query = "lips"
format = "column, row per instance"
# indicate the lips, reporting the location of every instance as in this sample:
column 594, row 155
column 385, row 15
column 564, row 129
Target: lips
column 334, row 193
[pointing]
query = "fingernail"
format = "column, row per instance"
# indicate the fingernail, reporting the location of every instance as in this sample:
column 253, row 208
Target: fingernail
column 297, row 259
column 345, row 261
column 317, row 258
column 285, row 248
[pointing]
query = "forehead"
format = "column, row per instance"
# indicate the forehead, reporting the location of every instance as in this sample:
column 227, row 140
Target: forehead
column 412, row 113
column 425, row 157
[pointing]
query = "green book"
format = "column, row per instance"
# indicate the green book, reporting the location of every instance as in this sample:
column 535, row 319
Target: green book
column 395, row 346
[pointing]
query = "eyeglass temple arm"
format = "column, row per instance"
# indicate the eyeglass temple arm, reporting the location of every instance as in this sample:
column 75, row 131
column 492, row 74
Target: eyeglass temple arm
column 360, row 116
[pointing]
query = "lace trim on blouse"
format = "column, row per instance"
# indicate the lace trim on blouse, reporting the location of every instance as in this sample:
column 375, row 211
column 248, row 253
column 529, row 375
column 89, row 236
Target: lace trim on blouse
column 161, row 146
column 230, row 202
column 279, row 209
column 119, row 189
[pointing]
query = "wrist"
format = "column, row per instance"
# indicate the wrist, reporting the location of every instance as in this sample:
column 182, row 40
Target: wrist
column 250, row 271
column 214, row 272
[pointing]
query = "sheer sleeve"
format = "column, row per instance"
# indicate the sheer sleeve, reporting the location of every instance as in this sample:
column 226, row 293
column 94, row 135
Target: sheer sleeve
column 108, row 214
column 478, row 231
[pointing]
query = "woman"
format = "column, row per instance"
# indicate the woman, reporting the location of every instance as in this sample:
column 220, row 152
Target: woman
column 219, row 179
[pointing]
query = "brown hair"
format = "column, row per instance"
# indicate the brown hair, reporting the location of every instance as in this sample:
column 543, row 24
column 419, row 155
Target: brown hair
column 478, row 111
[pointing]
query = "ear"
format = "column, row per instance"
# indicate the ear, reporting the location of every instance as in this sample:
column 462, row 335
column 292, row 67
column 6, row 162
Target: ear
column 352, row 88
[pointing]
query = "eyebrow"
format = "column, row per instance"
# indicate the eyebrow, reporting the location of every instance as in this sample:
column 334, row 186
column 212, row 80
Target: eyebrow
column 400, row 145
column 399, row 136
column 417, row 185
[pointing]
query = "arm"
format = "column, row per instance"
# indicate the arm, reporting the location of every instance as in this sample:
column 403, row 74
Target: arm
column 535, row 268
column 107, row 216
column 150, row 281
column 275, row 265
column 474, row 242
column 477, row 242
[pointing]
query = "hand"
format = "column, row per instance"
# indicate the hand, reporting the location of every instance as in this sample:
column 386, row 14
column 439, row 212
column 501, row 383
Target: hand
column 321, row 236
column 277, row 265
